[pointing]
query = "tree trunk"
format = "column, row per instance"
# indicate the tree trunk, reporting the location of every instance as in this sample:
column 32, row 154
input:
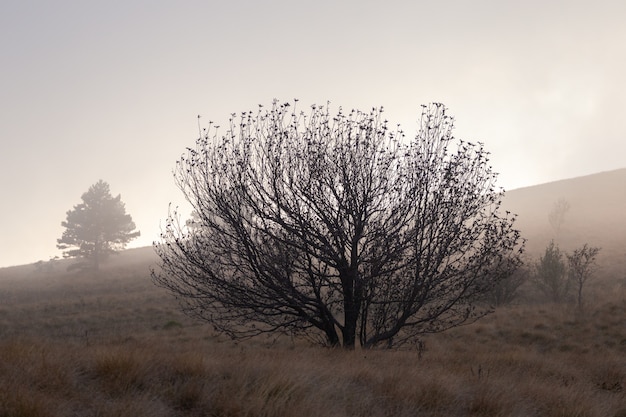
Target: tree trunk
column 352, row 298
column 580, row 296
column 333, row 338
column 96, row 255
column 331, row 334
column 349, row 329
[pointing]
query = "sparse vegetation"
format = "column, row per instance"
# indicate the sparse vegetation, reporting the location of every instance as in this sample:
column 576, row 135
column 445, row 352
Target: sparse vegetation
column 118, row 346
column 550, row 274
column 557, row 272
column 507, row 289
column 581, row 265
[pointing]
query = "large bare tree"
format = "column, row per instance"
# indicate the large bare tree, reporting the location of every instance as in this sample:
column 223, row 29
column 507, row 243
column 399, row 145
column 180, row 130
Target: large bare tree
column 336, row 227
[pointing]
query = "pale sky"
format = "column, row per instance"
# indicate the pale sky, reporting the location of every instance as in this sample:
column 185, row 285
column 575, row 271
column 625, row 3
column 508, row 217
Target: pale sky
column 111, row 90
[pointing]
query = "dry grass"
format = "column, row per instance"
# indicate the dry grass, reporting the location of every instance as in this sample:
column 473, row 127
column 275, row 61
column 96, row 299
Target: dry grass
column 112, row 344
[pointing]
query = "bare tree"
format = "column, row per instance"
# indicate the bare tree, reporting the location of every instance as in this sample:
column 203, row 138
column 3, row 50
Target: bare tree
column 581, row 265
column 335, row 227
column 557, row 215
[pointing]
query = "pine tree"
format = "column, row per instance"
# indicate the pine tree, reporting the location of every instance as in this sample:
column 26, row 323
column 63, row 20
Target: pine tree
column 97, row 227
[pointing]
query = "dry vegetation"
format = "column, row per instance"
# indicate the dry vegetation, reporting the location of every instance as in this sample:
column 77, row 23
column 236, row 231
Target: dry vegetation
column 112, row 344
column 597, row 216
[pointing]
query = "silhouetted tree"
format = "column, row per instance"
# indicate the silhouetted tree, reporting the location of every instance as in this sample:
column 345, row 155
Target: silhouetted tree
column 581, row 264
column 551, row 274
column 97, row 227
column 335, row 227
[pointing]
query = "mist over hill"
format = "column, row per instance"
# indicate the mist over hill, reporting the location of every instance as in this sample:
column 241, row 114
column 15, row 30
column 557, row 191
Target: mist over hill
column 111, row 340
column 596, row 215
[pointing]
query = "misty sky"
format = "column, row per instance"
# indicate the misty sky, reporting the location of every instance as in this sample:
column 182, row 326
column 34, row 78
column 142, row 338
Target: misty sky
column 111, row 90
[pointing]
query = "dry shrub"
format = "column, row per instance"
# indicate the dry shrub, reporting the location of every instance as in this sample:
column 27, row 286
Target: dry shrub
column 185, row 381
column 118, row 371
column 489, row 400
column 609, row 374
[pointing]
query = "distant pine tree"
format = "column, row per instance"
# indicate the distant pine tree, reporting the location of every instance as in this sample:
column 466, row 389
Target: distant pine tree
column 97, row 227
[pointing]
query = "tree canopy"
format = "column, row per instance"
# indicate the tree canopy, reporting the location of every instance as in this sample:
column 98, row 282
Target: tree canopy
column 97, row 227
column 336, row 227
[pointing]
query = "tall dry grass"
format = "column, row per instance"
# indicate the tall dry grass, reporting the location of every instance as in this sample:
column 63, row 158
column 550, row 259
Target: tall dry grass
column 112, row 344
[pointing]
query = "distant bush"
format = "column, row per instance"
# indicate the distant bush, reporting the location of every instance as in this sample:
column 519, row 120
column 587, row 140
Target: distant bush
column 506, row 290
column 582, row 263
column 172, row 324
column 550, row 275
column 557, row 272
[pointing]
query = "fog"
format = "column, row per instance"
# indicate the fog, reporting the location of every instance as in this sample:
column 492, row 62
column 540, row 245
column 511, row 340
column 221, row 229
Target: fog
column 112, row 91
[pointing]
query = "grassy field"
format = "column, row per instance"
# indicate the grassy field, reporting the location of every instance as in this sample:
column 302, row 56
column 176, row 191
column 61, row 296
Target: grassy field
column 112, row 344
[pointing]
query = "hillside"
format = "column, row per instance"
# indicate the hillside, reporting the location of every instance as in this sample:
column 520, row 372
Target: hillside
column 597, row 216
column 112, row 344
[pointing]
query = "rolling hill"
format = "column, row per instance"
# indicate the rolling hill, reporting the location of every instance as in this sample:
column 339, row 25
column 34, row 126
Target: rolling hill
column 597, row 216
column 110, row 343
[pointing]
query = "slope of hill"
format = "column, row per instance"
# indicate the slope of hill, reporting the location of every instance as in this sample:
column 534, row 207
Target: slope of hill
column 110, row 343
column 597, row 216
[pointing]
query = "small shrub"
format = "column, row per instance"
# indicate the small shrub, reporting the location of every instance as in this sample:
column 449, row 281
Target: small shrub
column 551, row 274
column 172, row 324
